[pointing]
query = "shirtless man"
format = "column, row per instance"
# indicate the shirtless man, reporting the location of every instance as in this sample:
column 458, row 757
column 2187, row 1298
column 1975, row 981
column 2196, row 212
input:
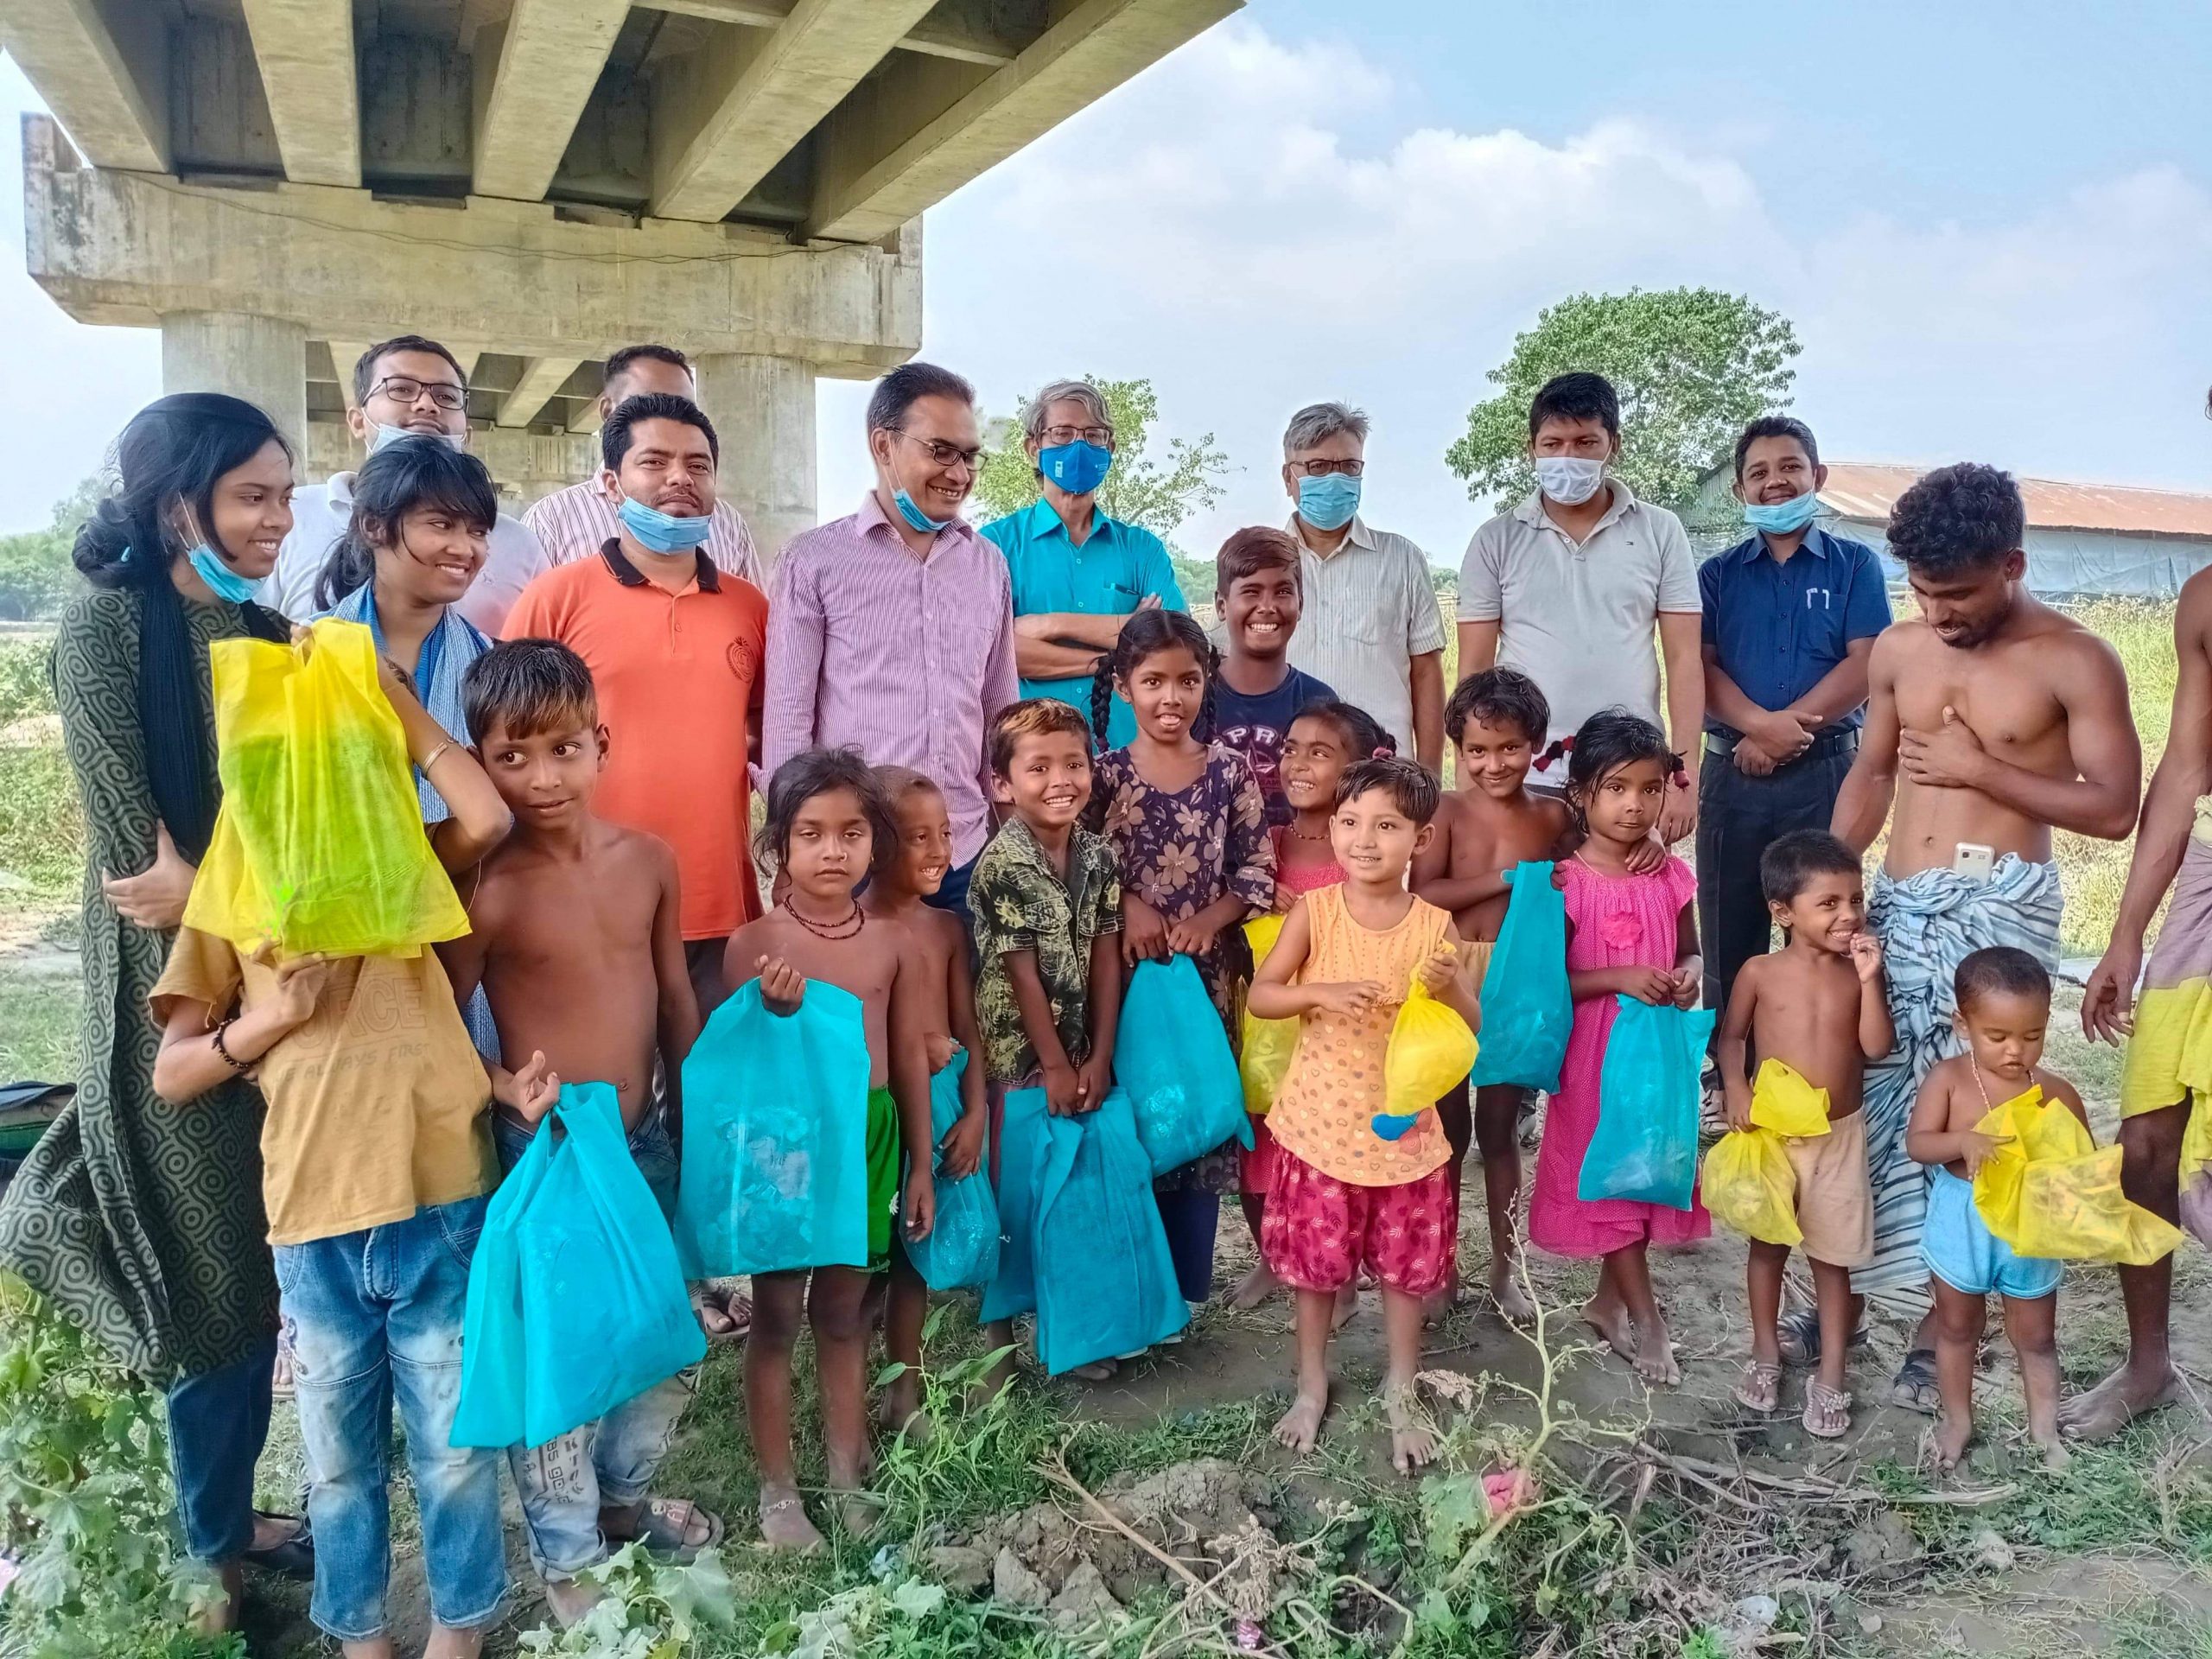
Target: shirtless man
column 2173, row 849
column 1993, row 719
column 573, row 935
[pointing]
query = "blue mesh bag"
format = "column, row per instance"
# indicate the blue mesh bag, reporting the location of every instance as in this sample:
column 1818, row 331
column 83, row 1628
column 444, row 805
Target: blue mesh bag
column 1645, row 1145
column 1105, row 1279
column 962, row 1247
column 582, row 1304
column 1172, row 1057
column 1527, row 1011
column 1018, row 1146
column 775, row 1137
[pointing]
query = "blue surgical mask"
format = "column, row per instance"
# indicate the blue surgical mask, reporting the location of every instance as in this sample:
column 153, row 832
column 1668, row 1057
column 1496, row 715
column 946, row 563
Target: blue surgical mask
column 916, row 518
column 1077, row 467
column 222, row 582
column 381, row 436
column 660, row 532
column 1330, row 501
column 1784, row 518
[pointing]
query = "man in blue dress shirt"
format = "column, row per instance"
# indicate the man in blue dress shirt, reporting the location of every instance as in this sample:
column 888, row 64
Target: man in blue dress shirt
column 1790, row 618
column 1078, row 574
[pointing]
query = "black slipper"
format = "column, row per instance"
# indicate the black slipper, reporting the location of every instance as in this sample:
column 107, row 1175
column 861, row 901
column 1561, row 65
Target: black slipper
column 1915, row 1383
column 292, row 1558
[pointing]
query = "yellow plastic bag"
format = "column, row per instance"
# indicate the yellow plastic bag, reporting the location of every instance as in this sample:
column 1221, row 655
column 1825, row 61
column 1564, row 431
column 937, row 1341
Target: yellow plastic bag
column 1431, row 1051
column 1783, row 1100
column 2197, row 1168
column 1749, row 1183
column 1264, row 1059
column 2050, row 1192
column 318, row 845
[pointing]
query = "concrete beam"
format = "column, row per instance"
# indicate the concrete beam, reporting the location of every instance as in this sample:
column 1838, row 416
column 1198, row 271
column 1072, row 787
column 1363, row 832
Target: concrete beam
column 763, row 411
column 541, row 377
column 523, row 465
column 102, row 69
column 534, row 74
column 305, row 48
column 919, row 135
column 508, row 276
column 937, row 36
column 344, row 354
column 723, row 118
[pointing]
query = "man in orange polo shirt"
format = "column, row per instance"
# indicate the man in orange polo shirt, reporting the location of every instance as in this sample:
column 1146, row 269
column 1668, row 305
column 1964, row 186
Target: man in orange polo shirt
column 675, row 647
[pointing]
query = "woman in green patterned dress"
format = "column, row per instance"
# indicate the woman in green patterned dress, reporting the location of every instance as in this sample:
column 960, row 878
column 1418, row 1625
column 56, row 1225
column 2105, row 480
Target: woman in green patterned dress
column 142, row 1221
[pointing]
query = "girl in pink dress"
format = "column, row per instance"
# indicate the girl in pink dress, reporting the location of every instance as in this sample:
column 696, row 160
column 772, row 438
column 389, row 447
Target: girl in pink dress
column 1321, row 743
column 1627, row 935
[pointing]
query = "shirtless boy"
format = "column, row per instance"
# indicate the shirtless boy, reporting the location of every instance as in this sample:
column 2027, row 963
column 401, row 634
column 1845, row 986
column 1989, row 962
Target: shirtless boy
column 1993, row 719
column 829, row 828
column 1817, row 1007
column 944, row 1013
column 2003, row 997
column 2173, row 849
column 574, row 937
column 1496, row 723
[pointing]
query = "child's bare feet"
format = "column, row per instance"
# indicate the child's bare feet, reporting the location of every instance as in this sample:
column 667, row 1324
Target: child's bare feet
column 1299, row 1427
column 1347, row 1305
column 1254, row 1287
column 783, row 1525
column 1655, row 1354
column 1438, row 1303
column 903, row 1420
column 1949, row 1438
column 860, row 1513
column 447, row 1643
column 1610, row 1319
column 569, row 1599
column 1513, row 1303
column 1412, row 1442
column 2056, row 1455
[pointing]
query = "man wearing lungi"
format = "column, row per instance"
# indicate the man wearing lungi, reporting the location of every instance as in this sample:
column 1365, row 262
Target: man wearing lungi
column 1993, row 719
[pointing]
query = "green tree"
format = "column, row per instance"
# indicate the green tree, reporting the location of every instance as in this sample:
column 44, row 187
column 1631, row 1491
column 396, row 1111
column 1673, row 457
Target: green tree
column 1154, row 495
column 1692, row 366
column 36, row 578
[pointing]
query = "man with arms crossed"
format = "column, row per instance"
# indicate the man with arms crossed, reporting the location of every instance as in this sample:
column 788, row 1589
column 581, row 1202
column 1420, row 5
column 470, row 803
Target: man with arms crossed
column 1993, row 719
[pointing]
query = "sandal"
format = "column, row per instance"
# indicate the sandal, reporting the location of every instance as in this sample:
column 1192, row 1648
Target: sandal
column 1915, row 1387
column 1827, row 1411
column 725, row 1316
column 1759, row 1388
column 288, row 1558
column 1798, row 1335
column 664, row 1527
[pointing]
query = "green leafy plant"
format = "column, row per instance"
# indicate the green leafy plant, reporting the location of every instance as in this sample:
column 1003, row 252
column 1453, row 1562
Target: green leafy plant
column 648, row 1608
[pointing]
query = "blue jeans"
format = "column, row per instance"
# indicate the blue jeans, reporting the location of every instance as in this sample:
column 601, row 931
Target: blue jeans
column 376, row 1319
column 219, row 1421
column 565, row 1483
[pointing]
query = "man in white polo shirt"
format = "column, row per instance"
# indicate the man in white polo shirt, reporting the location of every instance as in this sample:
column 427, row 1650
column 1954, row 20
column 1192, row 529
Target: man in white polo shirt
column 406, row 387
column 1372, row 627
column 1568, row 586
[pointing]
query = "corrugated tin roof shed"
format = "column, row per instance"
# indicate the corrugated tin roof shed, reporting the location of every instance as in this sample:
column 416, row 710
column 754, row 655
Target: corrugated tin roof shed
column 1866, row 491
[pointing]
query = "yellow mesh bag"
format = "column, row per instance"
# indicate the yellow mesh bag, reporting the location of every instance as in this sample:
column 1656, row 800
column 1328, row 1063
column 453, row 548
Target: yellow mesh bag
column 1749, row 1184
column 1264, row 1061
column 319, row 847
column 2049, row 1190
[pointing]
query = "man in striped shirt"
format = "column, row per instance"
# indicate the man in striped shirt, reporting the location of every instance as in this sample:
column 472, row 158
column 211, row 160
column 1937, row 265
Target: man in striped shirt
column 580, row 520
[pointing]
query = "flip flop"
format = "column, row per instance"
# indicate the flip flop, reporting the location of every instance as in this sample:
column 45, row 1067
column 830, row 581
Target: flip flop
column 1823, row 1404
column 731, row 1307
column 1759, row 1387
column 1915, row 1387
column 664, row 1523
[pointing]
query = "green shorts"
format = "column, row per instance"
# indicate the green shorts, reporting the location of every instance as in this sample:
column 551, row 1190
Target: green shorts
column 883, row 1150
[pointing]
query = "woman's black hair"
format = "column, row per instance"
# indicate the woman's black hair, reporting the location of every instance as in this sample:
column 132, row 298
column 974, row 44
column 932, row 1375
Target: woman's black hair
column 1610, row 740
column 817, row 771
column 172, row 455
column 1363, row 734
column 1144, row 633
column 405, row 474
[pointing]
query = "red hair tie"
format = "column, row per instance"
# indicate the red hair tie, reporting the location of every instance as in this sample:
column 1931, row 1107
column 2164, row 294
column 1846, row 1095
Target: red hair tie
column 1380, row 753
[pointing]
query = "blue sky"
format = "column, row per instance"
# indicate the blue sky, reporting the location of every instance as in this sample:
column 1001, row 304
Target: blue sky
column 1990, row 224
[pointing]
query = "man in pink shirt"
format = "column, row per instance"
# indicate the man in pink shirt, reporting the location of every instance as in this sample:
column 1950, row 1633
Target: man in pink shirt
column 892, row 629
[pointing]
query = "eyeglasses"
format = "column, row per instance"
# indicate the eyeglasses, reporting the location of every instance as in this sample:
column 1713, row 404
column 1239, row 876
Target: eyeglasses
column 402, row 389
column 1323, row 468
column 944, row 454
column 1101, row 435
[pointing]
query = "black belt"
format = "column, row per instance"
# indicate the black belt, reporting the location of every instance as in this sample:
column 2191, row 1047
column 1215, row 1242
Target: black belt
column 1824, row 747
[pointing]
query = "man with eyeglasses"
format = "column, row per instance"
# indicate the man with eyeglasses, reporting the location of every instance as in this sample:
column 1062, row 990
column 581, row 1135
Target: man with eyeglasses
column 1372, row 627
column 892, row 629
column 404, row 387
column 1078, row 574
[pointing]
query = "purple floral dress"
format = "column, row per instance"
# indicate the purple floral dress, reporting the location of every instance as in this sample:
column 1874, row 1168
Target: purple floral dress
column 1179, row 853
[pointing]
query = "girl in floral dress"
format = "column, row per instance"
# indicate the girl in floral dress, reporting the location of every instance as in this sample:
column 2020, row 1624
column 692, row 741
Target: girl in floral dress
column 1627, row 935
column 1188, row 827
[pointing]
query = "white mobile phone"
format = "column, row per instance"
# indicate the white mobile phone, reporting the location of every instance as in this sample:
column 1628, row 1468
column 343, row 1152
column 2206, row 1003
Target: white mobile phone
column 1974, row 860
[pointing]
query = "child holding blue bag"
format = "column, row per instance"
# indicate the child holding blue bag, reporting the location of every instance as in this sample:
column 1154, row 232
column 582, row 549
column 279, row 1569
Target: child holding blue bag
column 944, row 1013
column 1628, row 935
column 829, row 828
column 1189, row 829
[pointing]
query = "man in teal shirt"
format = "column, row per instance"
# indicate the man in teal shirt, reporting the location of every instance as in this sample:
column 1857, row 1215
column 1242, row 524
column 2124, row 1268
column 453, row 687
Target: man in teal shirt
column 1078, row 574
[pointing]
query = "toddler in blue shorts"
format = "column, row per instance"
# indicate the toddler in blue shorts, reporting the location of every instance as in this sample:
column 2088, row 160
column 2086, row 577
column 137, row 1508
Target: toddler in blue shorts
column 2003, row 997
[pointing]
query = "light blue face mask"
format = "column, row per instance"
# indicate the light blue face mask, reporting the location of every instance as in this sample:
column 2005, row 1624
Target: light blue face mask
column 222, row 582
column 1784, row 518
column 1077, row 467
column 916, row 519
column 660, row 532
column 1330, row 501
column 381, row 436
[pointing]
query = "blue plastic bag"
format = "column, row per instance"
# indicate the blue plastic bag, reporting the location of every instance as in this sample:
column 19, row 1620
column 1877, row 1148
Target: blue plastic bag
column 962, row 1247
column 1645, row 1145
column 1020, row 1146
column 1527, row 1011
column 1172, row 1057
column 581, row 1304
column 775, row 1137
column 1105, row 1281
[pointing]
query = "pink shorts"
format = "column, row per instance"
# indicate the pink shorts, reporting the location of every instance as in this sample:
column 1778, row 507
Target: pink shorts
column 1255, row 1170
column 1318, row 1232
